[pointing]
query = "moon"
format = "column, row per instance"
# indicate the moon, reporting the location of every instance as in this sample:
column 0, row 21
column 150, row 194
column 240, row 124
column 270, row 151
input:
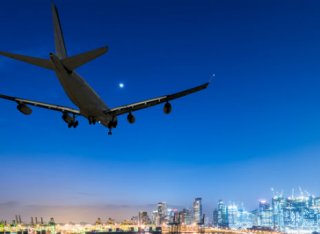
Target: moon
column 121, row 85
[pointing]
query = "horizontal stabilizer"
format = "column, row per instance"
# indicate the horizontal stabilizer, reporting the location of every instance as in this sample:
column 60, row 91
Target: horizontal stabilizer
column 76, row 61
column 45, row 63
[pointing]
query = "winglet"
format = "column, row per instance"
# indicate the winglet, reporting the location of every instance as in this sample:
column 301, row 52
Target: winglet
column 211, row 78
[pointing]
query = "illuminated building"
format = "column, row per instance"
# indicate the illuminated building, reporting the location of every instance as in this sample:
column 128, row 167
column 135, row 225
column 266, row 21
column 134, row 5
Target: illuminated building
column 233, row 214
column 215, row 218
column 222, row 216
column 170, row 216
column 278, row 204
column 197, row 210
column 162, row 212
column 245, row 219
column 265, row 218
column 173, row 216
column 143, row 218
column 185, row 217
column 155, row 218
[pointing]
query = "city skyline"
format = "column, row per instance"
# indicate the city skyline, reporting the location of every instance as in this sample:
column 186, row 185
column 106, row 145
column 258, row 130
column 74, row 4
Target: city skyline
column 256, row 127
column 204, row 215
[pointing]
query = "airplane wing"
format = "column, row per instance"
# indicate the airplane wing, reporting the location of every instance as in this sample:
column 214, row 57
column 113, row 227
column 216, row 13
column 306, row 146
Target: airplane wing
column 41, row 104
column 154, row 101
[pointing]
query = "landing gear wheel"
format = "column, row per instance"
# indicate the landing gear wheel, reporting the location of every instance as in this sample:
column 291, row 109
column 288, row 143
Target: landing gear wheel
column 110, row 132
column 75, row 124
column 92, row 120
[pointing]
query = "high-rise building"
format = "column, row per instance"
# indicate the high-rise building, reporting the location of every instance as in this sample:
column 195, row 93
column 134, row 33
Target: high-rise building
column 215, row 218
column 245, row 219
column 162, row 213
column 265, row 214
column 170, row 216
column 185, row 217
column 278, row 204
column 233, row 216
column 197, row 210
column 222, row 219
column 173, row 216
column 143, row 218
column 155, row 218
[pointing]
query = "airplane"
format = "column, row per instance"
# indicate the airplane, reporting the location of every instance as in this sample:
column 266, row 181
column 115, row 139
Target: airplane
column 90, row 105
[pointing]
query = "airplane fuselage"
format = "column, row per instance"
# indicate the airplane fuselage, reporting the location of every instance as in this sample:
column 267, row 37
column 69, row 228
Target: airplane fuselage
column 81, row 94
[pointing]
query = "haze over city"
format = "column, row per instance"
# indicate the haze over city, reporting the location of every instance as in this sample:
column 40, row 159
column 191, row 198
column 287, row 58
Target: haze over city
column 256, row 127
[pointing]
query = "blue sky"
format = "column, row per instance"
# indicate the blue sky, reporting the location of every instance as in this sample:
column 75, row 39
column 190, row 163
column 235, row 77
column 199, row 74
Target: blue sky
column 256, row 126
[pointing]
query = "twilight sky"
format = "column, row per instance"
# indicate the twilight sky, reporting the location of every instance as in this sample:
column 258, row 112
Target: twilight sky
column 257, row 126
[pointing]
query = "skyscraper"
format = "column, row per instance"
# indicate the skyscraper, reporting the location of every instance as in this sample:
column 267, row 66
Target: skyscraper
column 222, row 218
column 278, row 204
column 197, row 210
column 185, row 217
column 143, row 218
column 162, row 212
column 233, row 215
column 265, row 214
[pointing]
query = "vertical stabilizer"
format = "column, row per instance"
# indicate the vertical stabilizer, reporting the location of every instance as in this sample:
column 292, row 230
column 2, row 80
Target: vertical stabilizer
column 58, row 35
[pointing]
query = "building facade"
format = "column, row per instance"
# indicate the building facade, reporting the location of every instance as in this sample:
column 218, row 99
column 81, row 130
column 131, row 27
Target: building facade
column 197, row 210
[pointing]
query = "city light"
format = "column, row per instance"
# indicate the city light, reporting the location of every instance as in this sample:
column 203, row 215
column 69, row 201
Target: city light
column 293, row 214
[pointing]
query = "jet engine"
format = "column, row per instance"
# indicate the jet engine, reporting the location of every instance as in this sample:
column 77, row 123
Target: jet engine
column 131, row 119
column 167, row 108
column 24, row 109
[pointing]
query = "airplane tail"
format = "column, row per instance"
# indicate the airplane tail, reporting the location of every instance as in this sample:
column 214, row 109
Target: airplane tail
column 61, row 51
column 75, row 61
column 69, row 62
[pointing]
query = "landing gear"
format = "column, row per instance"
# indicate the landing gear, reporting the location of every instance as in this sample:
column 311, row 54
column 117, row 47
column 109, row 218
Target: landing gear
column 70, row 120
column 73, row 124
column 110, row 132
column 92, row 120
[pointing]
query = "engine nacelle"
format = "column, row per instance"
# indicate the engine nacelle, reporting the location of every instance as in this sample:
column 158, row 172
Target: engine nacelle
column 67, row 118
column 131, row 119
column 24, row 109
column 167, row 108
